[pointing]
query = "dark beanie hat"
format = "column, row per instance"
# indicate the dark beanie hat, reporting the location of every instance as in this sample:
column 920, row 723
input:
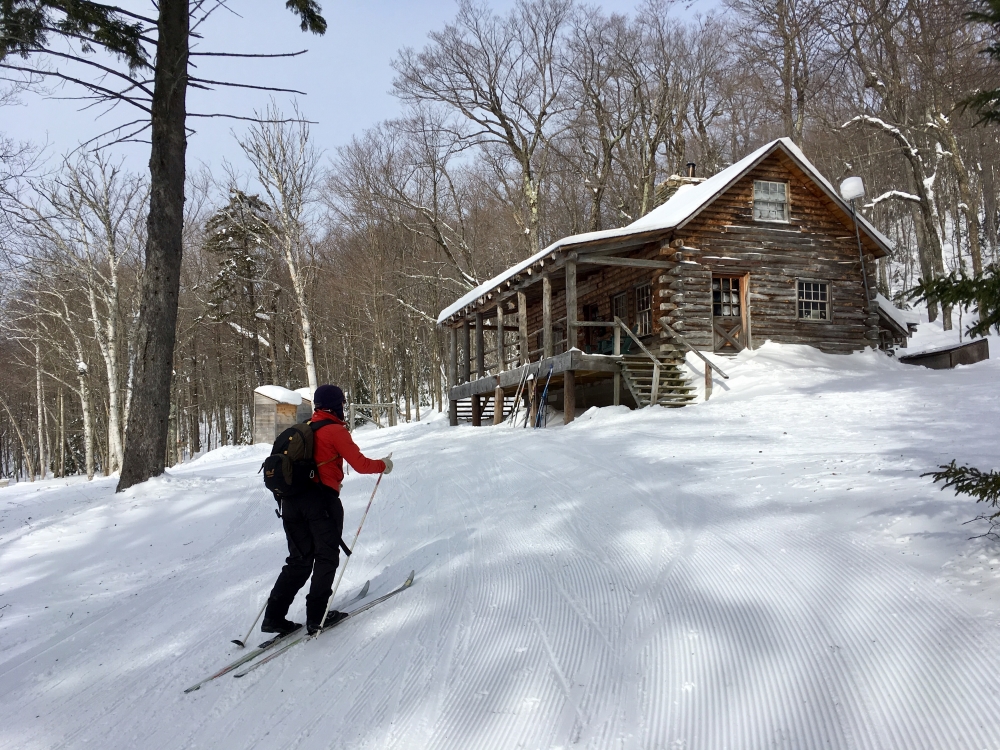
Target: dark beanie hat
column 329, row 398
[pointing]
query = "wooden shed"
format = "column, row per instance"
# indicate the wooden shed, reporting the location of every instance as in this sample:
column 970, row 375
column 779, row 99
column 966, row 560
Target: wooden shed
column 274, row 409
column 765, row 249
column 946, row 357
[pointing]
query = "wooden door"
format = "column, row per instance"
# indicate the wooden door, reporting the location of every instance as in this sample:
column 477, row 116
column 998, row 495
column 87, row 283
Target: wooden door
column 729, row 314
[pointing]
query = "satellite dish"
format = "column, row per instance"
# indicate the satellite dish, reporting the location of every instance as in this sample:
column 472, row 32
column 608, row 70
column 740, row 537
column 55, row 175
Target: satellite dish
column 852, row 188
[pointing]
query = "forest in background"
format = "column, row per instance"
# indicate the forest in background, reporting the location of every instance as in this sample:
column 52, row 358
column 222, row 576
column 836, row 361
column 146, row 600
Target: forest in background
column 330, row 263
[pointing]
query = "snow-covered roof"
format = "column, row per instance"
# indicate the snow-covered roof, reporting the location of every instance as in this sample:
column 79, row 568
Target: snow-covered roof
column 683, row 206
column 899, row 317
column 279, row 394
column 306, row 393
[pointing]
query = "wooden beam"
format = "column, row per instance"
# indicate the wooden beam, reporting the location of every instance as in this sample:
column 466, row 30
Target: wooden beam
column 616, row 349
column 480, row 348
column 571, row 305
column 569, row 396
column 547, row 342
column 501, row 358
column 467, row 353
column 452, row 375
column 498, row 404
column 522, row 326
column 631, row 262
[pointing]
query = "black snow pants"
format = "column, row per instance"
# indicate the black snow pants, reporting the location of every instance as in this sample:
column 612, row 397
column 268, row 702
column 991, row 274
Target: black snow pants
column 314, row 523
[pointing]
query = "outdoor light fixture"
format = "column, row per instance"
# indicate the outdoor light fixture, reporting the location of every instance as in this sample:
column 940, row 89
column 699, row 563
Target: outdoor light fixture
column 851, row 189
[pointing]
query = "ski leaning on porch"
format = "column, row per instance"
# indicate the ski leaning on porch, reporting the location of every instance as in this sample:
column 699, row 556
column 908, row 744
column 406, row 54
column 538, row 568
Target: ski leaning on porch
column 406, row 584
column 266, row 645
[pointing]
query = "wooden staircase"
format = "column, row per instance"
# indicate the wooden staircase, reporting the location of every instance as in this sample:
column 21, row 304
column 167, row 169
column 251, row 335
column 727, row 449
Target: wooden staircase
column 673, row 390
column 465, row 409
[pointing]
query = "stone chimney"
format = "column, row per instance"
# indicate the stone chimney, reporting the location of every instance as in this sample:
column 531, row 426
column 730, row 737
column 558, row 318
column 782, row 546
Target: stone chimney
column 666, row 189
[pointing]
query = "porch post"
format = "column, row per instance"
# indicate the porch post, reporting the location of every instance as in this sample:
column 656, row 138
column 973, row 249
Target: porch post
column 477, row 402
column 546, row 317
column 617, row 350
column 569, row 396
column 501, row 354
column 452, row 375
column 467, row 354
column 498, row 403
column 480, row 354
column 522, row 326
column 533, row 404
column 571, row 311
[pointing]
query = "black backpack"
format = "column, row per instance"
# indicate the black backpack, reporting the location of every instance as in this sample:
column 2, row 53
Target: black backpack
column 290, row 469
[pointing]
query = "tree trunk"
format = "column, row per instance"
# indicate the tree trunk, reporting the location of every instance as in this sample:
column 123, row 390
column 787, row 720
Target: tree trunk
column 39, row 403
column 107, row 340
column 88, row 425
column 62, row 435
column 194, row 418
column 146, row 437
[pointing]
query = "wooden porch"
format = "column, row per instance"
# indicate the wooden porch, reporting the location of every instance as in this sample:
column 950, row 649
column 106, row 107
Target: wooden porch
column 578, row 376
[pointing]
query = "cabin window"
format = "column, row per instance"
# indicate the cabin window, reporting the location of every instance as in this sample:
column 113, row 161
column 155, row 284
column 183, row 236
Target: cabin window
column 619, row 307
column 770, row 201
column 726, row 298
column 643, row 312
column 814, row 300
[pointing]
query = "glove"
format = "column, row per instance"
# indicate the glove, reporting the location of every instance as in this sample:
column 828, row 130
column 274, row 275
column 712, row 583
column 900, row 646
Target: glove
column 388, row 465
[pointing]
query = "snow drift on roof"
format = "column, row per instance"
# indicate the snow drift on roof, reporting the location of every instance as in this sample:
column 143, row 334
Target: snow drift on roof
column 279, row 394
column 901, row 317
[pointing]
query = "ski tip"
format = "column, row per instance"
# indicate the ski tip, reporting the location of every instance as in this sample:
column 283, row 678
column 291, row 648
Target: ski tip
column 409, row 581
column 193, row 688
column 364, row 590
column 238, row 642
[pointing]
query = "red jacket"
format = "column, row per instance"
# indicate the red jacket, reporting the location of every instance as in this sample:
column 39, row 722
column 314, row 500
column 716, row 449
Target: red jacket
column 331, row 445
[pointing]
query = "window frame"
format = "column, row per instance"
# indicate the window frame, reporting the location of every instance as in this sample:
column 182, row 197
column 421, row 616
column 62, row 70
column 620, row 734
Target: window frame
column 741, row 294
column 829, row 300
column 624, row 298
column 788, row 202
column 649, row 310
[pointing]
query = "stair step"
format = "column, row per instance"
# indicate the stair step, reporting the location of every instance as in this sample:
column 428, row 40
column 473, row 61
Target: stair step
column 649, row 380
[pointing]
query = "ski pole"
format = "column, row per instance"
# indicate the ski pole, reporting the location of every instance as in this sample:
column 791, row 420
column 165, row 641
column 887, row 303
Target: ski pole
column 340, row 577
column 246, row 638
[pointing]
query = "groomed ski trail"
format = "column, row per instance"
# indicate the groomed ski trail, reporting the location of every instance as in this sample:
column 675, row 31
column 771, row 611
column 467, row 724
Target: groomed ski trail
column 766, row 570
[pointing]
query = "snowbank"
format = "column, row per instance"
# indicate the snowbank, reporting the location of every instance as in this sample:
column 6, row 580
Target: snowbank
column 768, row 569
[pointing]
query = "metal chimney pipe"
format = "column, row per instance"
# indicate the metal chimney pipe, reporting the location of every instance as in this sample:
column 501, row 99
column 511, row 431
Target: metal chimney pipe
column 691, row 167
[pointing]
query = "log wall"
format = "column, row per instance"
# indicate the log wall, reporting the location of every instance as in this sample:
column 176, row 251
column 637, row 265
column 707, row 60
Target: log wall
column 815, row 244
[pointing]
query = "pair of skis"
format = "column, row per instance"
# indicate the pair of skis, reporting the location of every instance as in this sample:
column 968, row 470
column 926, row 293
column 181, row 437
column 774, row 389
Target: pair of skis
column 284, row 642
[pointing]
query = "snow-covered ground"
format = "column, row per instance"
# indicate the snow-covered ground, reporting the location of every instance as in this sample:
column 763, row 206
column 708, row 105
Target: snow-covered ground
column 767, row 569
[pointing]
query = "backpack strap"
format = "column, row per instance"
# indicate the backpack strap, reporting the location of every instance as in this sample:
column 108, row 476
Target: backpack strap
column 316, row 427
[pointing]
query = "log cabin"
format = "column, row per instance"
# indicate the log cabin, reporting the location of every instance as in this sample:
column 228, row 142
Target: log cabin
column 764, row 250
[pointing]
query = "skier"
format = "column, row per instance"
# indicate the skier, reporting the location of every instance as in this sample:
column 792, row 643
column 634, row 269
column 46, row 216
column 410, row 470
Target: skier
column 314, row 520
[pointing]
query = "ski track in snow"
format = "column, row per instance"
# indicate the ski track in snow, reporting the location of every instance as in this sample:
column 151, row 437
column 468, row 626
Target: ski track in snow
column 765, row 570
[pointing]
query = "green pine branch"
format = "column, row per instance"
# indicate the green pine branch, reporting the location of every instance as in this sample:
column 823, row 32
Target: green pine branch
column 959, row 289
column 968, row 480
column 25, row 26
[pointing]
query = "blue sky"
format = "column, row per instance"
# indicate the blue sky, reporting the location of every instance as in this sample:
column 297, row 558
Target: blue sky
column 346, row 76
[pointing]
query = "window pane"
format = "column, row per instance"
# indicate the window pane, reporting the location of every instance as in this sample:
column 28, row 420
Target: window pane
column 644, row 317
column 770, row 201
column 813, row 300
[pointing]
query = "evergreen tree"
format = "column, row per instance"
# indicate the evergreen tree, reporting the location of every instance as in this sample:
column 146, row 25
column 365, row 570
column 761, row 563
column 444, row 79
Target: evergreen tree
column 238, row 234
column 981, row 291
